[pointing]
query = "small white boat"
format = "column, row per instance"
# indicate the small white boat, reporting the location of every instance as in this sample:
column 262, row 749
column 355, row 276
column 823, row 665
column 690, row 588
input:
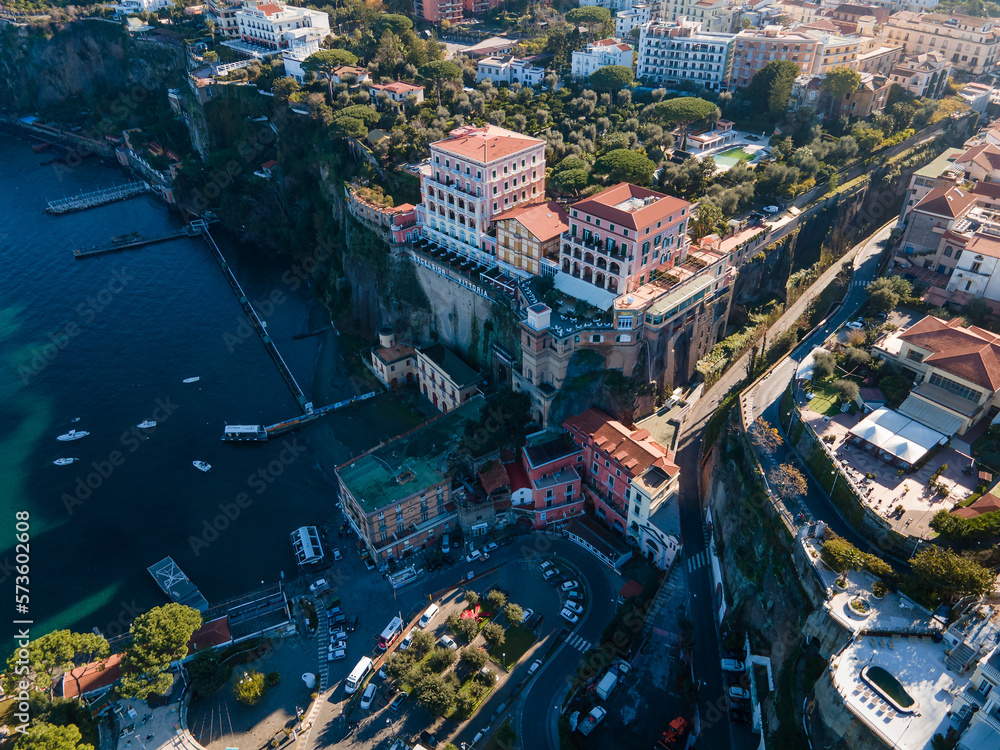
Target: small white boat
column 75, row 419
column 195, row 379
column 72, row 435
column 64, row 461
column 146, row 424
column 201, row 465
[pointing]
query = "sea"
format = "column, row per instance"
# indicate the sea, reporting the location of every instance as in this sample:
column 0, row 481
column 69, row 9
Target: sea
column 101, row 344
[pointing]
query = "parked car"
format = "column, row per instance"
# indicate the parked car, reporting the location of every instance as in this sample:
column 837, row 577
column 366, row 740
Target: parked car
column 339, row 619
column 488, row 674
column 337, row 635
column 336, row 553
column 574, row 607
column 771, row 209
column 569, row 617
column 369, row 564
column 369, row 695
column 490, row 547
column 535, row 666
column 428, row 739
column 445, row 542
column 575, row 594
column 434, row 565
column 856, row 325
column 545, row 565
column 405, row 643
column 739, row 693
column 398, row 701
column 527, row 615
column 351, row 624
column 448, row 642
column 569, row 585
column 334, row 610
column 549, row 573
column 336, row 655
column 320, row 585
column 534, row 622
column 338, row 645
column 733, row 665
column 556, row 580
column 473, row 556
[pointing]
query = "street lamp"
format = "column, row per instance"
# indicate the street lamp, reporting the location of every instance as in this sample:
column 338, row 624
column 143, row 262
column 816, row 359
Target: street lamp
column 836, row 476
column 504, row 658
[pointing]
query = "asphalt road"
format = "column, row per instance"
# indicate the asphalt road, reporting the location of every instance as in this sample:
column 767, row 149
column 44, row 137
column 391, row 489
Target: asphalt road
column 720, row 734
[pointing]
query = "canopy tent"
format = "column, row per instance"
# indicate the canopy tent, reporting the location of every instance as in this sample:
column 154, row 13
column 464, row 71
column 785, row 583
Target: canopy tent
column 897, row 436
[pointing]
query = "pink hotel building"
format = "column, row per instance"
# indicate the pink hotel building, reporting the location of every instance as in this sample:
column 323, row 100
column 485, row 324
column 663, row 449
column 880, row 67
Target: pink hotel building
column 475, row 174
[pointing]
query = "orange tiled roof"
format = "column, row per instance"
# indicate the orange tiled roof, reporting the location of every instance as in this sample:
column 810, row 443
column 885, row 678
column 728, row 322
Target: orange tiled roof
column 972, row 354
column 987, row 189
column 605, row 204
column 394, row 353
column 543, row 220
column 986, row 156
column 269, row 8
column 486, row 143
column 633, row 449
column 493, row 476
column 91, row 677
column 946, row 200
column 211, row 634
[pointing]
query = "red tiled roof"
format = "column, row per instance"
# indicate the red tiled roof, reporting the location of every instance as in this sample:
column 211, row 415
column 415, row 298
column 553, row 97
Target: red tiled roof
column 397, row 87
column 988, row 503
column 486, row 143
column 518, row 476
column 91, row 677
column 493, row 476
column 631, row 588
column 211, row 634
column 268, row 8
column 605, row 204
column 969, row 353
column 631, row 448
column 984, row 244
column 986, row 156
column 394, row 353
column 543, row 220
column 269, row 164
column 987, row 189
column 946, row 200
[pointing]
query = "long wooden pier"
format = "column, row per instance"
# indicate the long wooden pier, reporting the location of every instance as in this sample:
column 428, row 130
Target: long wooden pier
column 201, row 227
column 243, row 433
column 129, row 241
column 97, row 198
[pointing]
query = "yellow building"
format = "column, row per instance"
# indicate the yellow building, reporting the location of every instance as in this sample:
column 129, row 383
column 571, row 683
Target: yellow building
column 528, row 234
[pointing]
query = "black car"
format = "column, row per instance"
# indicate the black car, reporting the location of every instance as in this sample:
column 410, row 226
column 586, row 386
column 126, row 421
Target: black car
column 447, row 560
column 534, row 622
column 428, row 739
column 434, row 565
column 338, row 619
column 556, row 580
column 351, row 623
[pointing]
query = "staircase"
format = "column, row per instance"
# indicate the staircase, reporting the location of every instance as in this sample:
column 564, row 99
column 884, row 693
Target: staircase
column 959, row 657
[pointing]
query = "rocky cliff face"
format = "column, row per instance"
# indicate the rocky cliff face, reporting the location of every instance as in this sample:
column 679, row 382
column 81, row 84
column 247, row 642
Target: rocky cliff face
column 88, row 65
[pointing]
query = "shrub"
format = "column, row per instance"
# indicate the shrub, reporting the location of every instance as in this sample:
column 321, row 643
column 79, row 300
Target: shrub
column 493, row 634
column 496, row 600
column 441, row 659
column 250, row 688
column 473, row 658
column 272, row 679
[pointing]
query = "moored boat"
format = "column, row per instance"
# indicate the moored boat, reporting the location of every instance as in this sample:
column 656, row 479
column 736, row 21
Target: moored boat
column 64, row 461
column 72, row 435
column 201, row 465
column 146, row 424
column 195, row 379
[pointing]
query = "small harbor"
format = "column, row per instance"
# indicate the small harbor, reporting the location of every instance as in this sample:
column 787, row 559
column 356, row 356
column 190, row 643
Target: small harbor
column 95, row 198
column 239, row 433
column 177, row 586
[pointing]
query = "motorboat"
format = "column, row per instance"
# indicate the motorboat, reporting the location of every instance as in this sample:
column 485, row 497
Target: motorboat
column 72, row 435
column 64, row 461
column 75, row 419
column 146, row 424
column 195, row 379
column 201, row 465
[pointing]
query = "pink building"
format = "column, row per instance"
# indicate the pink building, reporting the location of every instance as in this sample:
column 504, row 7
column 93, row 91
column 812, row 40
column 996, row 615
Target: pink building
column 553, row 470
column 475, row 174
column 436, row 11
column 619, row 238
column 755, row 48
column 613, row 457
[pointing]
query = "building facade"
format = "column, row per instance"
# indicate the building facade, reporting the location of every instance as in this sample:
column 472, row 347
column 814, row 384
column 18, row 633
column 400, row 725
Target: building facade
column 554, row 468
column 713, row 15
column 923, row 74
column 623, row 236
column 436, row 11
column 475, row 174
column 755, row 48
column 598, row 54
column 671, row 53
column 529, row 236
column 634, row 18
column 969, row 45
column 398, row 92
column 276, row 26
column 508, row 69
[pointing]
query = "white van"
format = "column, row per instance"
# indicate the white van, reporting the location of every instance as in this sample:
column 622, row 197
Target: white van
column 429, row 614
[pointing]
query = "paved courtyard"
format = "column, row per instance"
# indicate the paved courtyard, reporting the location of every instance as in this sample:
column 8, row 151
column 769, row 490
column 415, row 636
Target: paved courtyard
column 888, row 489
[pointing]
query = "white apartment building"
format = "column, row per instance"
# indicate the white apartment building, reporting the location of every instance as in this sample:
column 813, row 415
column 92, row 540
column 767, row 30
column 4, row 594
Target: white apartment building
column 713, row 15
column 294, row 57
column 124, row 7
column 969, row 44
column 475, row 174
column 223, row 15
column 276, row 26
column 673, row 52
column 598, row 54
column 509, row 69
column 636, row 17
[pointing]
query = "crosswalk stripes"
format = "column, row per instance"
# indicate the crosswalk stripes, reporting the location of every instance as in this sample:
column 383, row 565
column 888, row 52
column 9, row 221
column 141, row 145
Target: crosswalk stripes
column 580, row 644
column 860, row 283
column 697, row 561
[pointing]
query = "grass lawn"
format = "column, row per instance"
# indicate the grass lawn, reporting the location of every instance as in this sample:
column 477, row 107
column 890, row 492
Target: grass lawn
column 825, row 401
column 518, row 640
column 457, row 715
column 987, row 451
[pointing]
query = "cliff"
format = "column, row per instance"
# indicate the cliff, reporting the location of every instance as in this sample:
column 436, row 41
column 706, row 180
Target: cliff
column 85, row 70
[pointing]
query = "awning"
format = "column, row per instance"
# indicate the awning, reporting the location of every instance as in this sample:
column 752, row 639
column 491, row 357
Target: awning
column 931, row 415
column 898, row 435
column 584, row 290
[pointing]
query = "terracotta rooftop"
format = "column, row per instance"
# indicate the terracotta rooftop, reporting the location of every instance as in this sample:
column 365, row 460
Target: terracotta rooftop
column 518, row 476
column 984, row 244
column 398, row 87
column 484, row 144
column 543, row 220
column 394, row 353
column 633, row 449
column 493, row 476
column 269, row 9
column 987, row 189
column 947, row 200
column 90, row 677
column 986, row 156
column 632, row 206
column 972, row 354
column 211, row 634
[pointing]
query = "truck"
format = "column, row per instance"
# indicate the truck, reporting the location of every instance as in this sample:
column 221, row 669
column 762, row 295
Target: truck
column 673, row 735
column 591, row 720
column 607, row 684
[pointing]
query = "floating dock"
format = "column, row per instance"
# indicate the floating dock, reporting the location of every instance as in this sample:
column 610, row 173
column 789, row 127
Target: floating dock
column 176, row 585
column 130, row 241
column 97, row 198
column 238, row 433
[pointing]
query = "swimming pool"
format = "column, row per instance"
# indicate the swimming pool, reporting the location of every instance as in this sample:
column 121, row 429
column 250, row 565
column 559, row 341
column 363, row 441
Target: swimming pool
column 889, row 688
column 733, row 156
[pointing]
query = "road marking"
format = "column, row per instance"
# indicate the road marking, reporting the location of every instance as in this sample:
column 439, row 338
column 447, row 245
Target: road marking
column 578, row 642
column 697, row 561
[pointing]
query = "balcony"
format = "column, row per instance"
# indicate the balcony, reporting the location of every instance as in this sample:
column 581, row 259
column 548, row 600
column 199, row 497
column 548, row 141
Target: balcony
column 451, row 186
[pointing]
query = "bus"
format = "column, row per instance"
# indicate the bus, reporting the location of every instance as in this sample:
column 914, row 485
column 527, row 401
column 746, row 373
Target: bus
column 361, row 669
column 391, row 633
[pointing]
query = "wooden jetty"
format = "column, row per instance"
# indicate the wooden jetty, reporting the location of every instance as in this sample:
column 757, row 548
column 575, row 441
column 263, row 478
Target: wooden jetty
column 242, row 433
column 171, row 579
column 130, row 241
column 97, row 198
